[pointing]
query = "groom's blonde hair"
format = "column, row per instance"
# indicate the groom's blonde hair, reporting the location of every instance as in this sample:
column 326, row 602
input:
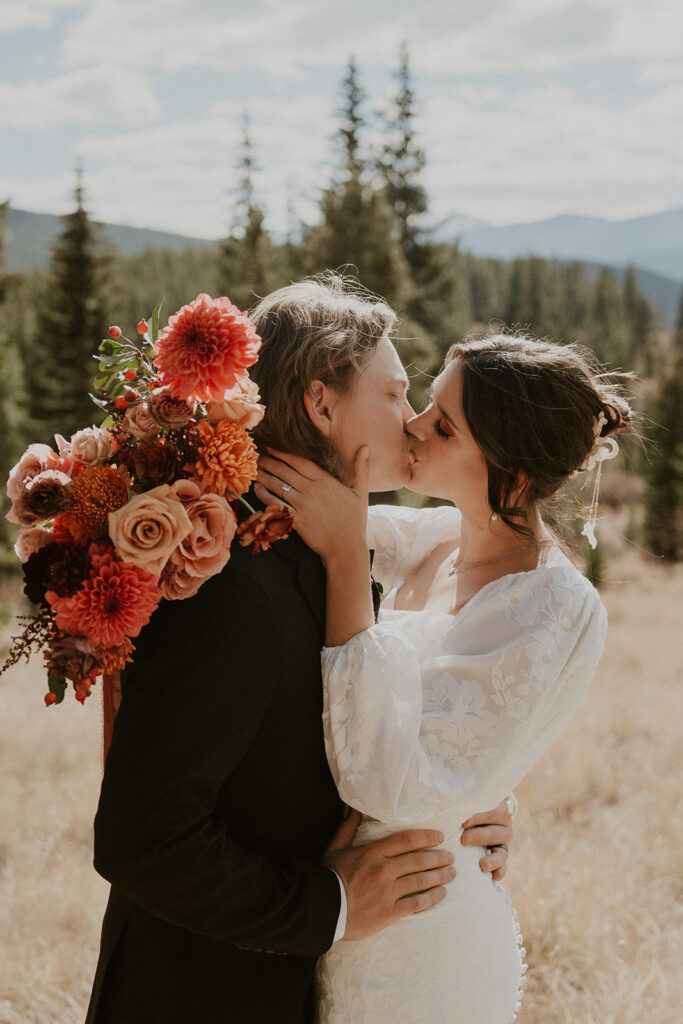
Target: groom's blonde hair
column 324, row 328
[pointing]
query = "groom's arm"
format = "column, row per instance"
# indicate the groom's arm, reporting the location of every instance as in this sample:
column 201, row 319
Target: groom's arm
column 202, row 680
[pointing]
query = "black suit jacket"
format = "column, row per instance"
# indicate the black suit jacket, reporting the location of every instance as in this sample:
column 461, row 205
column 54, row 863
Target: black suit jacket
column 217, row 804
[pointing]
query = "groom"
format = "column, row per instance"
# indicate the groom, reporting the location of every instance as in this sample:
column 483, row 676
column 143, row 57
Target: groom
column 217, row 818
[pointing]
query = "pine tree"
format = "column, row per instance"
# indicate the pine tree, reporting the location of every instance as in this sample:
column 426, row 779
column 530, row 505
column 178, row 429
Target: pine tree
column 573, row 301
column 352, row 122
column 70, row 324
column 401, row 163
column 664, row 472
column 245, row 254
column 639, row 320
column 10, row 398
column 607, row 331
column 358, row 229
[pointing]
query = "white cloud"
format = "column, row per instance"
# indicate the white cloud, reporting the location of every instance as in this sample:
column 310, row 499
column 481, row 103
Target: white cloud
column 282, row 40
column 499, row 147
column 92, row 95
column 539, row 152
column 18, row 14
column 185, row 174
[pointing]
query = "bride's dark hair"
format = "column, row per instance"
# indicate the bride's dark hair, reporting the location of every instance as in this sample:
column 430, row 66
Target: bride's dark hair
column 532, row 408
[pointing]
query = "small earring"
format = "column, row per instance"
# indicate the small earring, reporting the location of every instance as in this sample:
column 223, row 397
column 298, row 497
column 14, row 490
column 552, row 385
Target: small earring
column 493, row 517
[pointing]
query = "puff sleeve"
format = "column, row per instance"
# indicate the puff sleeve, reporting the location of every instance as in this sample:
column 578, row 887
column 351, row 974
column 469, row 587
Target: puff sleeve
column 427, row 714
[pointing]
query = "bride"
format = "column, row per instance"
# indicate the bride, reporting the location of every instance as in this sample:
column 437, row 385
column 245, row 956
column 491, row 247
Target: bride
column 486, row 641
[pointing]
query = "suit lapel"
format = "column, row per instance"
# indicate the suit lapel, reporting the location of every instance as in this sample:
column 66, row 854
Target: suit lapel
column 310, row 574
column 309, row 567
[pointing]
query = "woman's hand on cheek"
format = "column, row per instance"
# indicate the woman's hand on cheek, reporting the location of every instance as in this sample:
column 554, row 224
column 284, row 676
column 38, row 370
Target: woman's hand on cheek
column 328, row 515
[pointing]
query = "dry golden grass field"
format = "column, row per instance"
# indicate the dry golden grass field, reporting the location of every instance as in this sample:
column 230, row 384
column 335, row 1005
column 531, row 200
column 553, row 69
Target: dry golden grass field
column 595, row 873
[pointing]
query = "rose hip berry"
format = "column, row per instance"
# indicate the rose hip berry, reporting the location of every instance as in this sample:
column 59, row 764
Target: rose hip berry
column 130, row 374
column 130, row 395
column 142, row 327
column 121, row 403
column 114, row 332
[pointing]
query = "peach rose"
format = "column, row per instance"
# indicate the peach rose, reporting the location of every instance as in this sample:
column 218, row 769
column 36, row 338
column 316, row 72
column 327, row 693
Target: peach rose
column 146, row 530
column 240, row 404
column 36, row 459
column 206, row 550
column 178, row 584
column 31, row 540
column 138, row 421
column 90, row 447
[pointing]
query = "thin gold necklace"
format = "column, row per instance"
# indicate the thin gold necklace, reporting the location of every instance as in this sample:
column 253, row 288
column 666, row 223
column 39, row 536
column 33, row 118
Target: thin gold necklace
column 456, row 569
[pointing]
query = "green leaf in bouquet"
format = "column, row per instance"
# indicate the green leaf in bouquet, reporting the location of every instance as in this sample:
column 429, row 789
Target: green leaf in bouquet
column 104, row 380
column 109, row 347
column 57, row 685
column 106, row 362
column 106, row 423
column 100, row 402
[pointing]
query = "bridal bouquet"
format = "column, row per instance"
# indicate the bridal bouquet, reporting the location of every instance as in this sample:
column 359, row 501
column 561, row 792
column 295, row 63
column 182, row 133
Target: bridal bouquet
column 140, row 508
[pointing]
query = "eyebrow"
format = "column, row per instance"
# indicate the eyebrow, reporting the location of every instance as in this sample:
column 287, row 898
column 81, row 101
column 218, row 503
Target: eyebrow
column 404, row 381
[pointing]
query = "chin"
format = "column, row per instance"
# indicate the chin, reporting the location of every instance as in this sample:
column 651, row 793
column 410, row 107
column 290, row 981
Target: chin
column 429, row 488
column 389, row 480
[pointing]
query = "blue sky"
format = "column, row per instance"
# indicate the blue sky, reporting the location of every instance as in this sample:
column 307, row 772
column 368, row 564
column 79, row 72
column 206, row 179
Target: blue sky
column 528, row 108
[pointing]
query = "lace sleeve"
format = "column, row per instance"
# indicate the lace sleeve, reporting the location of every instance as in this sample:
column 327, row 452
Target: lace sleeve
column 402, row 537
column 426, row 715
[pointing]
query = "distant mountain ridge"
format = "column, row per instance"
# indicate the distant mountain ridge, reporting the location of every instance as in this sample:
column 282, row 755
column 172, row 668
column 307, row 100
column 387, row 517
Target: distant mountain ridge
column 29, row 238
column 653, row 244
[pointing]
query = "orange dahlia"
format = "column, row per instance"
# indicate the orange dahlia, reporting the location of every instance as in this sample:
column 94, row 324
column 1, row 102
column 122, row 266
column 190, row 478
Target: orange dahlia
column 115, row 659
column 263, row 528
column 115, row 603
column 205, row 349
column 96, row 492
column 227, row 458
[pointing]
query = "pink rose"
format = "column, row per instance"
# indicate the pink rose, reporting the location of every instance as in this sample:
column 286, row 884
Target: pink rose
column 146, row 530
column 31, row 540
column 206, row 549
column 36, row 459
column 89, row 447
column 139, row 422
column 169, row 411
column 240, row 404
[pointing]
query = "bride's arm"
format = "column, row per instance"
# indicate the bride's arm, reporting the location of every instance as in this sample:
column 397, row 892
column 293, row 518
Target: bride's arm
column 432, row 719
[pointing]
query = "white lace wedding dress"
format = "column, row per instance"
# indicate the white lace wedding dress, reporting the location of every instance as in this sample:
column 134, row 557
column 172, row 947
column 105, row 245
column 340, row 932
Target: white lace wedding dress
column 428, row 719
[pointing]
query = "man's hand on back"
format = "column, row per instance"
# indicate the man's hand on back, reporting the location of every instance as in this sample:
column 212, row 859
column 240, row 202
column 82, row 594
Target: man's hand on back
column 389, row 879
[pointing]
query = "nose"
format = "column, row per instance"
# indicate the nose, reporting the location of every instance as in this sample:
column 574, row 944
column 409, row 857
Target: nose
column 408, row 412
column 416, row 426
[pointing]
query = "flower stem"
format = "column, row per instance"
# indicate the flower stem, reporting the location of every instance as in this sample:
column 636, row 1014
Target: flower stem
column 244, row 501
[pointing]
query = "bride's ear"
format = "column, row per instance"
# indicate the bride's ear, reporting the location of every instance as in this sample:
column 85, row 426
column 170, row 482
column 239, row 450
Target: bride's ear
column 520, row 489
column 319, row 401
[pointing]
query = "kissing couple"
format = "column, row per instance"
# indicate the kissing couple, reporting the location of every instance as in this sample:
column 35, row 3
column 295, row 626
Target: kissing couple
column 239, row 891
